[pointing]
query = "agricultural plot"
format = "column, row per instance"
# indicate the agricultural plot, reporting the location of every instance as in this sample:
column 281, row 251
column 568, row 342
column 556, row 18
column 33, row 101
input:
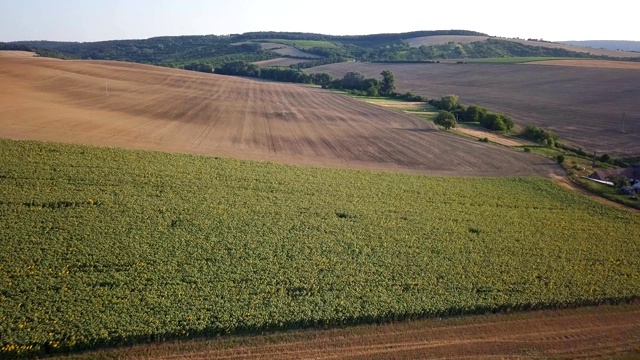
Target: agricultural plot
column 103, row 246
column 278, row 62
column 584, row 105
column 146, row 107
column 287, row 50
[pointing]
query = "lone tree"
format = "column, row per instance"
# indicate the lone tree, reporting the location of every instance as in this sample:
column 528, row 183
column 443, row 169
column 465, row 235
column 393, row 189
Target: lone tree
column 388, row 85
column 445, row 119
column 449, row 102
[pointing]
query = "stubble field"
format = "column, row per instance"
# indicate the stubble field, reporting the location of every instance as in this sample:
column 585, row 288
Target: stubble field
column 146, row 107
column 584, row 105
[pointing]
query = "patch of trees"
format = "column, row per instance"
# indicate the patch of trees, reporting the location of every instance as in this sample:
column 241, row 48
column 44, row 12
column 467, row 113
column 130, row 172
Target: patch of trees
column 540, row 135
column 242, row 68
column 473, row 113
column 357, row 84
column 318, row 62
column 497, row 122
column 445, row 119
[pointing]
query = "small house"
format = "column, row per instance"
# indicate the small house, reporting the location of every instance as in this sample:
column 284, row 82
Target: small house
column 603, row 175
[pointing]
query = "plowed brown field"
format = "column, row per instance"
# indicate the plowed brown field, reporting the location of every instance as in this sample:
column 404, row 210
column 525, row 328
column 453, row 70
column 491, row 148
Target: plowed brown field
column 586, row 333
column 139, row 106
column 584, row 105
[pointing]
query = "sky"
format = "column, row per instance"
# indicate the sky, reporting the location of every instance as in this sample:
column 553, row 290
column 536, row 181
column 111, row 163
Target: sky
column 98, row 20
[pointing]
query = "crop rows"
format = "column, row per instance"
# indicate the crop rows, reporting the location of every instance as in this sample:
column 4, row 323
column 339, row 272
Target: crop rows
column 102, row 247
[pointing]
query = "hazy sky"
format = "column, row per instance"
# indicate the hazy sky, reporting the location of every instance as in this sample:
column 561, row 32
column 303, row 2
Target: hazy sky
column 95, row 20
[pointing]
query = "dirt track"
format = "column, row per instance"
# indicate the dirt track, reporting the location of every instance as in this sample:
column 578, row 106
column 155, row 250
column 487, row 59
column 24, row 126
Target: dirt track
column 138, row 106
column 597, row 332
column 584, row 105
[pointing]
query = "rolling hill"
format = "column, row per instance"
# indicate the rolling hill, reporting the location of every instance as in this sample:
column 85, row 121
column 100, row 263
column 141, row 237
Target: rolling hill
column 204, row 53
column 148, row 107
column 585, row 105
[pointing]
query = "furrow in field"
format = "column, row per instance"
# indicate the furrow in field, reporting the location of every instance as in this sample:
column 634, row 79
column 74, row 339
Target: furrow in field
column 173, row 110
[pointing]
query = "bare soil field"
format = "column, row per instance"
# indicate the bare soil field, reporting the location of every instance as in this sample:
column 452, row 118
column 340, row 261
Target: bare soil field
column 146, row 107
column 584, row 105
column 278, row 62
column 13, row 54
column 593, row 332
column 287, row 50
column 444, row 39
column 591, row 63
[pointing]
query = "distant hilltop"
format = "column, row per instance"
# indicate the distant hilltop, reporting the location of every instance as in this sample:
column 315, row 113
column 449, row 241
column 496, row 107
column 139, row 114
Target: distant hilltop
column 616, row 45
column 303, row 50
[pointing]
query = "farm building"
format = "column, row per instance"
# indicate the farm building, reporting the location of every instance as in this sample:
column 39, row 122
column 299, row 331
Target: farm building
column 604, row 174
column 632, row 173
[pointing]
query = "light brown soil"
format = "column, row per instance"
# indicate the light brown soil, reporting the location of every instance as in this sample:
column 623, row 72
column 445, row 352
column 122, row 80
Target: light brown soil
column 287, row 50
column 493, row 137
column 585, row 106
column 146, row 107
column 444, row 39
column 278, row 62
column 588, row 333
column 591, row 63
column 14, row 54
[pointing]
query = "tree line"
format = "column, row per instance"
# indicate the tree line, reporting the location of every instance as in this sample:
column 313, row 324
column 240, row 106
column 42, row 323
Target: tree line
column 451, row 112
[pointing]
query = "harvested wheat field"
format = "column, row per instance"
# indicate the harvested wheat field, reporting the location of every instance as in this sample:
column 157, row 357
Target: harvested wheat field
column 583, row 105
column 594, row 332
column 146, row 107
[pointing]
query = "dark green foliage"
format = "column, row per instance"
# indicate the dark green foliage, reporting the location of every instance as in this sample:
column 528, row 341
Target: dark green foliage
column 449, row 102
column 619, row 181
column 409, row 96
column 239, row 68
column 371, row 87
column 198, row 66
column 606, row 158
column 388, row 85
column 322, row 79
column 560, row 158
column 539, row 135
column 285, row 75
column 445, row 119
column 352, row 80
column 474, row 113
column 496, row 122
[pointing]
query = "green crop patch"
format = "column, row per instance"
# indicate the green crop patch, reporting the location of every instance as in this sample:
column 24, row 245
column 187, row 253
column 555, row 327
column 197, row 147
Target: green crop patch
column 156, row 246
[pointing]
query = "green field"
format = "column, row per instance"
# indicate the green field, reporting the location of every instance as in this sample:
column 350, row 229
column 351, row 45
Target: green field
column 102, row 247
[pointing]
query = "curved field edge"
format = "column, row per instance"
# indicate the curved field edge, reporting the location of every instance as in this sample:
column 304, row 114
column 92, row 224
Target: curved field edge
column 566, row 333
column 105, row 247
